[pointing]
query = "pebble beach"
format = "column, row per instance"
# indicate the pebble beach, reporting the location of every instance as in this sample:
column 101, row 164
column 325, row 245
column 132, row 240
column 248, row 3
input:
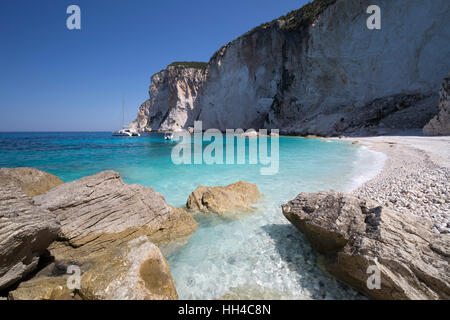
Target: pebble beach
column 415, row 177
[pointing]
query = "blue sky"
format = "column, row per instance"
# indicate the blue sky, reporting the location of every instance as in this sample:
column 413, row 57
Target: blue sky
column 55, row 79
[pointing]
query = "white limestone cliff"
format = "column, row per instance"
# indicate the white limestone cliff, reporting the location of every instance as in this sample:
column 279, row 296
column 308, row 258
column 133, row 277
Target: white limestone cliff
column 171, row 105
column 318, row 70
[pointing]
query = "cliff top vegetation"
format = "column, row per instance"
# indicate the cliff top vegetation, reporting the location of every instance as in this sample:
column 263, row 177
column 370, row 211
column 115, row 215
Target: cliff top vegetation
column 188, row 64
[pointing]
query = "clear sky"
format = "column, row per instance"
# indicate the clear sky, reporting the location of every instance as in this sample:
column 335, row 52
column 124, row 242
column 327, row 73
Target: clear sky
column 55, row 79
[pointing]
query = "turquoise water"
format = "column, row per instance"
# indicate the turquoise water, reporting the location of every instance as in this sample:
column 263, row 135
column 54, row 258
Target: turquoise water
column 261, row 250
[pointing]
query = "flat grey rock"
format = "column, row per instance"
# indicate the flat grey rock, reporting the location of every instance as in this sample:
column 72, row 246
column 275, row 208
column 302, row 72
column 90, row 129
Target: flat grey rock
column 354, row 234
column 100, row 210
column 25, row 233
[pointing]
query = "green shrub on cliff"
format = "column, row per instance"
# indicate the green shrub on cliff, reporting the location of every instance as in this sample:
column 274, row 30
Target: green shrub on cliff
column 300, row 18
column 305, row 16
column 188, row 64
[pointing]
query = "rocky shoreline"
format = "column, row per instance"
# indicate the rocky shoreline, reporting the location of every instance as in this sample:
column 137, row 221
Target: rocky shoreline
column 414, row 179
column 397, row 222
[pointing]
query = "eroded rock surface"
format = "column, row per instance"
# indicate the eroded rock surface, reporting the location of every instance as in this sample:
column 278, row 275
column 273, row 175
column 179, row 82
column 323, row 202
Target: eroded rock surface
column 440, row 124
column 100, row 211
column 135, row 270
column 354, row 234
column 236, row 197
column 107, row 230
column 32, row 181
column 44, row 288
column 25, row 233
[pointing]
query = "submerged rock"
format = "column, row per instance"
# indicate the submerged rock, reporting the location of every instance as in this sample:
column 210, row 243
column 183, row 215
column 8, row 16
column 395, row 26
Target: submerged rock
column 236, row 197
column 101, row 211
column 25, row 233
column 440, row 124
column 32, row 181
column 354, row 234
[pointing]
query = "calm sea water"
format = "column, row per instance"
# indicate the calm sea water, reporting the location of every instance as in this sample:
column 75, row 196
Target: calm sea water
column 260, row 252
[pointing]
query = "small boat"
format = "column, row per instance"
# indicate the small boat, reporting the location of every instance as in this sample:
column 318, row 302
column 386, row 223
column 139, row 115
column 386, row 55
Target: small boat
column 168, row 136
column 125, row 132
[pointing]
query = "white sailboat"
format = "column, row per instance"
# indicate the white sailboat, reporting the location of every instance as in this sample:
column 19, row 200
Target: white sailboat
column 125, row 131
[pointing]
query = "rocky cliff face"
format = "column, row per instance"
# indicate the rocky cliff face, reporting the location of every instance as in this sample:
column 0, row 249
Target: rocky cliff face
column 173, row 92
column 318, row 70
column 440, row 124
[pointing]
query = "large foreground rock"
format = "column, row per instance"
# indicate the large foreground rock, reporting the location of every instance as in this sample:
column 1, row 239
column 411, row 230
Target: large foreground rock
column 32, row 181
column 136, row 270
column 25, row 233
column 107, row 230
column 236, row 197
column 354, row 234
column 101, row 211
column 440, row 124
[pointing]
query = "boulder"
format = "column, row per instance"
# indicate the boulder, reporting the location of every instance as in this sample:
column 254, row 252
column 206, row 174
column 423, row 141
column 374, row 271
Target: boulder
column 440, row 124
column 236, row 197
column 101, row 211
column 25, row 233
column 44, row 288
column 354, row 234
column 32, row 181
column 135, row 270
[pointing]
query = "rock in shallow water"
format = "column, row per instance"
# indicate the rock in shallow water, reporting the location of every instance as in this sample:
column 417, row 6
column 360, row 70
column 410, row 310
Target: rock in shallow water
column 236, row 197
column 136, row 270
column 25, row 233
column 355, row 234
column 106, row 230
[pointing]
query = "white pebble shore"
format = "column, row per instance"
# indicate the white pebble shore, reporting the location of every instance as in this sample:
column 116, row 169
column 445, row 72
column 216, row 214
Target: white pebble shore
column 415, row 178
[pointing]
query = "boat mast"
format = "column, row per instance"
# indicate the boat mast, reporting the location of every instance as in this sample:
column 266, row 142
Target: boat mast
column 123, row 113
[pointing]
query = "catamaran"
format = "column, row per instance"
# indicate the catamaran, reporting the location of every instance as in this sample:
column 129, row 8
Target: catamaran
column 125, row 131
